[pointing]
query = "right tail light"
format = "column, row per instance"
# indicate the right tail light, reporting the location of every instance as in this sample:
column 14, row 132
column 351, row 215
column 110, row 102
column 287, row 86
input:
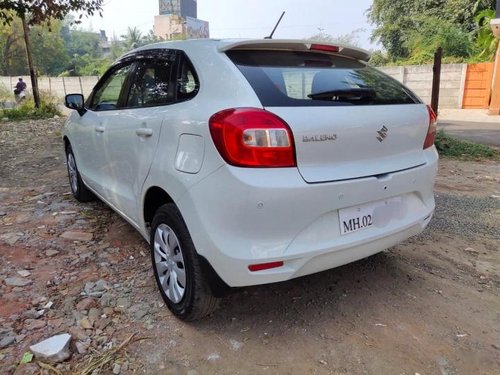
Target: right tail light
column 431, row 131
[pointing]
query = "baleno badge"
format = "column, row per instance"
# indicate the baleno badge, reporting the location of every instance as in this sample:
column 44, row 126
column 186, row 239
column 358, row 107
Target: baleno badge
column 319, row 138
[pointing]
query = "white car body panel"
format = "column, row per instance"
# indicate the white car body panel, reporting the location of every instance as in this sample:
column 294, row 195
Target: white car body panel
column 130, row 139
column 242, row 216
column 356, row 152
column 85, row 141
column 267, row 215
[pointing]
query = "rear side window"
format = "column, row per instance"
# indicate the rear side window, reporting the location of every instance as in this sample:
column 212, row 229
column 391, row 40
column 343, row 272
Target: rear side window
column 151, row 83
column 296, row 78
column 187, row 80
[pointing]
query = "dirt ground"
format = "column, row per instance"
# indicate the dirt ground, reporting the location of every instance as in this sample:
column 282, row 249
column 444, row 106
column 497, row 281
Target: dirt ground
column 429, row 306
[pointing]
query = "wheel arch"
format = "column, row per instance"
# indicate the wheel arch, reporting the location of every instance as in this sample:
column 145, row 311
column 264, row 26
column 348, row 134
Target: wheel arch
column 156, row 197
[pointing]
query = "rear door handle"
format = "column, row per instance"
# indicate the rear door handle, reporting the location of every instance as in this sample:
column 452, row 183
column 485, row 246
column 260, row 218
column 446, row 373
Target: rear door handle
column 144, row 132
column 99, row 129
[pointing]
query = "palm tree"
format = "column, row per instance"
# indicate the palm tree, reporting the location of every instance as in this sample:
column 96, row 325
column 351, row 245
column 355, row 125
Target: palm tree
column 133, row 38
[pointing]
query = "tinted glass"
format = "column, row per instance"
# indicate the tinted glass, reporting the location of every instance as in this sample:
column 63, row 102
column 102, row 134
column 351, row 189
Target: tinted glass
column 150, row 84
column 293, row 78
column 107, row 95
column 187, row 81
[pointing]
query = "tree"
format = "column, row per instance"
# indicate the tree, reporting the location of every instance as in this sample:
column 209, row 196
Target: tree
column 150, row 37
column 133, row 38
column 485, row 40
column 434, row 32
column 78, row 42
column 351, row 38
column 397, row 21
column 39, row 12
column 48, row 49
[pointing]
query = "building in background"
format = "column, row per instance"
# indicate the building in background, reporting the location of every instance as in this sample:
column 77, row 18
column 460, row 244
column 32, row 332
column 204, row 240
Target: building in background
column 177, row 20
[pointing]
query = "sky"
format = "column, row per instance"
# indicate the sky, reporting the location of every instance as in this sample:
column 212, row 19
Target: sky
column 247, row 19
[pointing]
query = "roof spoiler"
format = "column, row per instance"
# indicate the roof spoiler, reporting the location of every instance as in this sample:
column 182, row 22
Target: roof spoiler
column 293, row 45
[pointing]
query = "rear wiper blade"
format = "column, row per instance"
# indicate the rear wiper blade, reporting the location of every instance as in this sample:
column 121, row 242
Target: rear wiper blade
column 344, row 94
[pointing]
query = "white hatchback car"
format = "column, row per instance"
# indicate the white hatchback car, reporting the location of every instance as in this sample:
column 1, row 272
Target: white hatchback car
column 252, row 162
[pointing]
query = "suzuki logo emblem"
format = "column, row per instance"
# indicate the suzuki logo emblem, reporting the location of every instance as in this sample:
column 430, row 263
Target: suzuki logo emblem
column 382, row 133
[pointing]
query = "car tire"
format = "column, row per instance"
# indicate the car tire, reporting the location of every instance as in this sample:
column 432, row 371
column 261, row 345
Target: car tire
column 177, row 268
column 78, row 188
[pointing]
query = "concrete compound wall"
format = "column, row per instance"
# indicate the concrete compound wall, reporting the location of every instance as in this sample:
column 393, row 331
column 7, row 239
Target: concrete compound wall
column 419, row 79
column 416, row 77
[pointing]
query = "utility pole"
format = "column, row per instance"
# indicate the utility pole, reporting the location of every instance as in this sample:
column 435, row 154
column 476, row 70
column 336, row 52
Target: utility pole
column 436, row 79
column 34, row 82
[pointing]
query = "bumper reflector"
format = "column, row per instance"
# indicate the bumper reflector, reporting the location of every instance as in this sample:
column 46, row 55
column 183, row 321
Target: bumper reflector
column 264, row 266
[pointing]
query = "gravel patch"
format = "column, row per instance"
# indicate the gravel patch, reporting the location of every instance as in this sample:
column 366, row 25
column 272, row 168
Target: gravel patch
column 466, row 216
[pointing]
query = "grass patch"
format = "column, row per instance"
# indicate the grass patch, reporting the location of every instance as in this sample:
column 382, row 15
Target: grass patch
column 26, row 109
column 464, row 150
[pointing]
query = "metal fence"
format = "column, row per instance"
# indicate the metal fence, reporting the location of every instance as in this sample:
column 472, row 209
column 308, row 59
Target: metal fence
column 56, row 86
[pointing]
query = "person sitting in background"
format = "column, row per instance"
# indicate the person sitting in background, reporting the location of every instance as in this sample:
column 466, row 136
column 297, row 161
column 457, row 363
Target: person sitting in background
column 20, row 86
column 19, row 90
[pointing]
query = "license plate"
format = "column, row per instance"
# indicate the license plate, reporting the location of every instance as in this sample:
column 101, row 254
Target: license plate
column 364, row 216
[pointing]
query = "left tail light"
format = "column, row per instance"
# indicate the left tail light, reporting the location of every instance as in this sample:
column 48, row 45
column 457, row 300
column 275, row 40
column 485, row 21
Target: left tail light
column 431, row 131
column 252, row 137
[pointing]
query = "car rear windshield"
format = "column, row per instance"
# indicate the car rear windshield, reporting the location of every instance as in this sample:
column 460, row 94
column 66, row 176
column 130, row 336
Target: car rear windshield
column 296, row 78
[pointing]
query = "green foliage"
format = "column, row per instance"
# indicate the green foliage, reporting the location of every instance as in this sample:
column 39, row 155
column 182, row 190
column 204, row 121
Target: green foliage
column 150, row 38
column 433, row 33
column 87, row 65
column 485, row 40
column 411, row 30
column 351, row 38
column 42, row 11
column 133, row 38
column 12, row 49
column 458, row 149
column 379, row 58
column 26, row 110
column 82, row 43
column 47, row 47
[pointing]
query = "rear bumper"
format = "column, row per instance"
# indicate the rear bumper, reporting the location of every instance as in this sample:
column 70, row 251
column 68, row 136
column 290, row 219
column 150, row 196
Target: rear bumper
column 239, row 217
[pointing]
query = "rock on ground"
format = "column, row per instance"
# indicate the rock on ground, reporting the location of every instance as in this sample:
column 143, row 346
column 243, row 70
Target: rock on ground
column 54, row 350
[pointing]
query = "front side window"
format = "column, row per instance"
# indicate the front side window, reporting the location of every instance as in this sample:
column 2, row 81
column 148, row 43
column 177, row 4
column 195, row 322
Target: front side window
column 107, row 96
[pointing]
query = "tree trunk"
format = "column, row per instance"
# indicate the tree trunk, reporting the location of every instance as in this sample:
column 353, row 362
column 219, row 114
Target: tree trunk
column 34, row 82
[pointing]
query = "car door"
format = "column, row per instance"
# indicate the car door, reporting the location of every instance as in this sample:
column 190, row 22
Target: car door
column 131, row 137
column 88, row 140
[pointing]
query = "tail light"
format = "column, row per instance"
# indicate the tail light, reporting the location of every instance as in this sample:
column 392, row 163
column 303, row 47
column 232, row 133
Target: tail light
column 252, row 137
column 431, row 131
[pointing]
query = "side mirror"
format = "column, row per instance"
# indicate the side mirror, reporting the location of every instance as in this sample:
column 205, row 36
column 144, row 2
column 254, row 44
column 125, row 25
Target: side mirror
column 76, row 102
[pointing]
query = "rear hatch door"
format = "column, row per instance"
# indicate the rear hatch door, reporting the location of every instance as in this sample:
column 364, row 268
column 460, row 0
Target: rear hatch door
column 339, row 143
column 348, row 120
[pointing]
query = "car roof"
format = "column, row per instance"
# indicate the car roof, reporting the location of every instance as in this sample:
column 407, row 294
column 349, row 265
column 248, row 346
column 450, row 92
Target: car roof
column 223, row 45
